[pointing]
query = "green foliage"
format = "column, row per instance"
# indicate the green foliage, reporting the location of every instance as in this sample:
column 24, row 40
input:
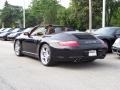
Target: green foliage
column 113, row 13
column 31, row 20
column 47, row 9
column 76, row 15
column 116, row 18
column 97, row 15
column 10, row 15
column 51, row 12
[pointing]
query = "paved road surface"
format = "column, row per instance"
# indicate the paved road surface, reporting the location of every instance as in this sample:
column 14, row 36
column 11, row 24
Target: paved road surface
column 24, row 73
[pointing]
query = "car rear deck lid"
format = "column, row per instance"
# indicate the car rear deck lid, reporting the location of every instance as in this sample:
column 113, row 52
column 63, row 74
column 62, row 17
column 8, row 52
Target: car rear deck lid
column 84, row 36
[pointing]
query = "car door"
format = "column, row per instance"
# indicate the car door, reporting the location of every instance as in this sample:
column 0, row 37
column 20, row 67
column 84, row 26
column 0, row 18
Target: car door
column 30, row 44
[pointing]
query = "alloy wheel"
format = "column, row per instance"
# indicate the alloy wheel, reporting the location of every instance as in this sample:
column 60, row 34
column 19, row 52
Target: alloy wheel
column 17, row 48
column 45, row 55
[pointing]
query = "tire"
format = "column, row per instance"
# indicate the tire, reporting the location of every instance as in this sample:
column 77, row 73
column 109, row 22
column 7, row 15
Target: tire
column 18, row 48
column 45, row 55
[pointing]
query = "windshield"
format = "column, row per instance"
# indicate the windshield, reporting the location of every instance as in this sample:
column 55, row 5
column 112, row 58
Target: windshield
column 2, row 29
column 8, row 29
column 39, row 30
column 16, row 30
column 105, row 31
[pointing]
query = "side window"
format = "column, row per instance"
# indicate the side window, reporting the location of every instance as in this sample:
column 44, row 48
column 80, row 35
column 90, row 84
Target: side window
column 39, row 32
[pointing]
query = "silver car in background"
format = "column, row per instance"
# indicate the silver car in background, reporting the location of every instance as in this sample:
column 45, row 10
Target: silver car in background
column 116, row 47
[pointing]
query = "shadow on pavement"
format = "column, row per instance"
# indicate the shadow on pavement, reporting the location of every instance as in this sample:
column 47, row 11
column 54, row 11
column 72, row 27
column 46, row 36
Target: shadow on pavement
column 92, row 65
column 82, row 65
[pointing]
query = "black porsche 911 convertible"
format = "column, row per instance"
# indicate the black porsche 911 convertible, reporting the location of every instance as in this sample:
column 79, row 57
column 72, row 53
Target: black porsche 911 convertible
column 62, row 46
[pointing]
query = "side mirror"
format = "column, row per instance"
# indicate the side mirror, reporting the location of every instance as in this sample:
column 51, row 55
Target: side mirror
column 27, row 34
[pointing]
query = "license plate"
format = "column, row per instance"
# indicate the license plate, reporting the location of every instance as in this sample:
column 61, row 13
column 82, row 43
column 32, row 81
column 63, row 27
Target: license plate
column 92, row 53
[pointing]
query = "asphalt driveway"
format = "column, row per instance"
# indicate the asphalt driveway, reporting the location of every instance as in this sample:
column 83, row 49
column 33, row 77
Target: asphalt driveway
column 24, row 73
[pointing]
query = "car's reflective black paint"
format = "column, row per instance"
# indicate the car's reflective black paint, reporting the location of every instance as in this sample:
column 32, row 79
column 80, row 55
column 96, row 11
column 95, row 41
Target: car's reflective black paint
column 108, row 35
column 31, row 45
column 12, row 36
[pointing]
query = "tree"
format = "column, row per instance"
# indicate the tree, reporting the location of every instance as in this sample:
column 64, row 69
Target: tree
column 76, row 15
column 31, row 19
column 97, row 13
column 47, row 9
column 10, row 15
column 51, row 12
column 116, row 18
column 112, row 10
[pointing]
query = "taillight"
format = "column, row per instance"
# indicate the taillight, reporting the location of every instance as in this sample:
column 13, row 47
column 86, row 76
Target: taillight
column 69, row 43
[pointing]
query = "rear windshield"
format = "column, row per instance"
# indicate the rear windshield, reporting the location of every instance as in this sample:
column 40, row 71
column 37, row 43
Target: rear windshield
column 79, row 36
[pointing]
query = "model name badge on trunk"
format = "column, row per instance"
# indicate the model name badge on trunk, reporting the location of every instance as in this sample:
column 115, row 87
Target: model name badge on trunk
column 92, row 53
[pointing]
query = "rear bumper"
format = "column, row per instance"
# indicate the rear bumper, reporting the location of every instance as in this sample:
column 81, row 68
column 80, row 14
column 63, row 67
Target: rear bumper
column 81, row 55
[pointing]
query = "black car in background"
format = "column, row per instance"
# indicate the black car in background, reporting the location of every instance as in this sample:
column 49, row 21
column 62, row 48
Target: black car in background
column 5, row 33
column 108, row 35
column 12, row 36
column 2, row 29
column 61, row 46
column 5, row 30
